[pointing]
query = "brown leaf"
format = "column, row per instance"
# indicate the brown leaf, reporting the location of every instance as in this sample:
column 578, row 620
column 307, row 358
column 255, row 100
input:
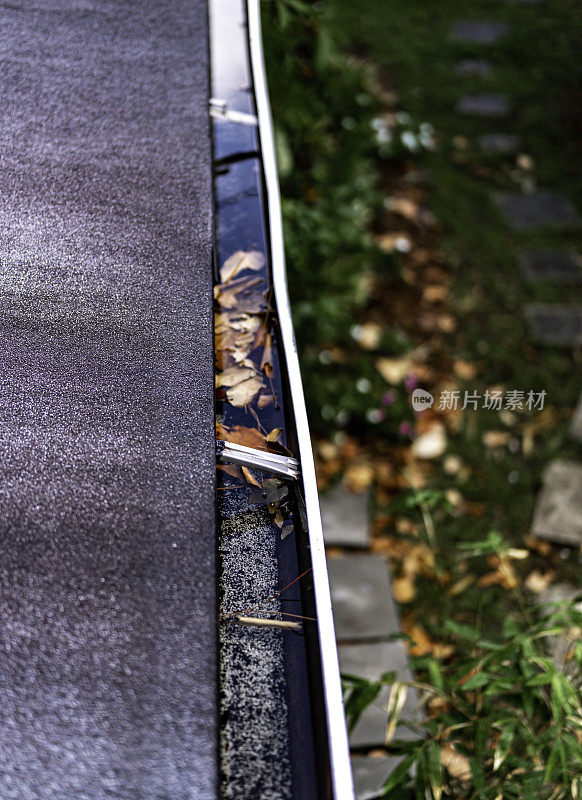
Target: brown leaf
column 446, row 323
column 250, row 478
column 456, row 764
column 367, row 335
column 274, row 434
column 238, row 434
column 435, row 293
column 495, row 438
column 539, row 546
column 233, row 375
column 358, row 477
column 231, row 469
column 538, row 582
column 464, row 370
column 403, row 207
column 267, row 358
column 503, row 576
column 403, row 589
column 431, row 444
column 240, row 261
column 394, row 370
column 245, row 392
column 421, row 644
column 461, row 585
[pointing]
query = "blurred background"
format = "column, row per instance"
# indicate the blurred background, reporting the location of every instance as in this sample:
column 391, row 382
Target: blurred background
column 429, row 157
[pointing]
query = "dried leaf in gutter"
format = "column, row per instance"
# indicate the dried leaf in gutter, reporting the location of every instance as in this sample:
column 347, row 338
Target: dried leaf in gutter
column 244, row 393
column 239, row 293
column 288, row 528
column 240, row 261
column 267, row 359
column 249, row 477
column 274, row 434
column 239, row 434
column 233, row 375
column 272, row 491
column 231, row 469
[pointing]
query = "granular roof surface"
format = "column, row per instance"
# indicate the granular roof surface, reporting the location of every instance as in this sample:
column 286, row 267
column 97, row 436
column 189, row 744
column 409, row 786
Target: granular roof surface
column 107, row 544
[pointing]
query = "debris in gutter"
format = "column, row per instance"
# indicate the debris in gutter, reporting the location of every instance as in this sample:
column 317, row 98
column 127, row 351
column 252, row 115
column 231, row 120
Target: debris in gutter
column 269, row 623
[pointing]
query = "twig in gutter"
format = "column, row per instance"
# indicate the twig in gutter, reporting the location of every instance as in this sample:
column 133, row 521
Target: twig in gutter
column 267, row 600
column 269, row 623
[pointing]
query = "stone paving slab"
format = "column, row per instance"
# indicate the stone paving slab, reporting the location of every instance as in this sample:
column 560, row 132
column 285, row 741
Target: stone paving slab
column 499, row 143
column 479, row 32
column 363, row 607
column 550, row 265
column 371, row 661
column 526, row 211
column 558, row 512
column 345, row 517
column 576, row 426
column 484, row 105
column 560, row 646
column 555, row 324
column 474, row 67
column 370, row 774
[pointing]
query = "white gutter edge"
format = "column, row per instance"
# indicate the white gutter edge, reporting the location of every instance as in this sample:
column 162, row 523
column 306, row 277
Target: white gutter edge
column 341, row 773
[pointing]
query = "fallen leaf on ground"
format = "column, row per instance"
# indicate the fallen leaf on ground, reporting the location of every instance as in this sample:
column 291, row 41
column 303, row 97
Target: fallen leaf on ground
column 418, row 559
column 446, row 323
column 404, row 207
column 420, row 643
column 435, row 293
column 367, row 335
column 454, row 497
column 394, row 370
column 495, row 438
column 539, row 546
column 327, row 450
column 403, row 589
column 504, row 575
column 464, row 370
column 547, row 418
column 538, row 582
column 461, row 585
column 358, row 477
column 456, row 764
column 431, row 444
column 389, row 242
column 452, row 465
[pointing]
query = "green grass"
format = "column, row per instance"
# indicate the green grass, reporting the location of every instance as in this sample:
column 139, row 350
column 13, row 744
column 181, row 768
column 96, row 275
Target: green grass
column 330, row 171
column 537, row 67
column 331, row 167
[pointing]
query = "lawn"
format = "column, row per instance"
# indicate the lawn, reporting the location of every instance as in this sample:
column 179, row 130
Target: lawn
column 429, row 292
